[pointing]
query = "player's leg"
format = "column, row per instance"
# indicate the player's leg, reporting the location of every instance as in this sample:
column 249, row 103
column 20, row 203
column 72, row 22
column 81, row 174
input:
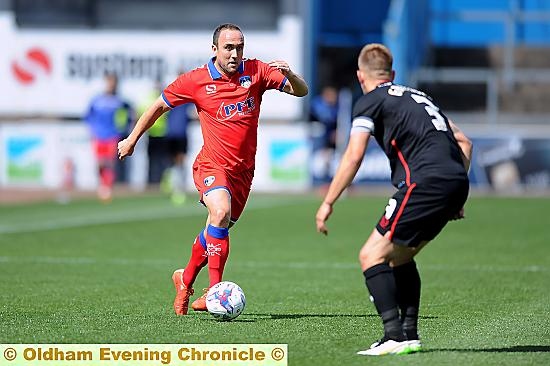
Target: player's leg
column 375, row 258
column 218, row 202
column 209, row 247
column 408, row 284
column 200, row 256
column 240, row 190
column 106, row 152
column 184, row 279
column 197, row 260
column 425, row 216
column 225, row 204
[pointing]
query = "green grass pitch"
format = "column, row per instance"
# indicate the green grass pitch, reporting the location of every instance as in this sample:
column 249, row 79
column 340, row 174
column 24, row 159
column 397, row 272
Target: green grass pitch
column 91, row 273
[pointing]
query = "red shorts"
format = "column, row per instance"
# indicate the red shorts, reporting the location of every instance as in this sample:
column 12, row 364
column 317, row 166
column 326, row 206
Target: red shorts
column 105, row 150
column 208, row 178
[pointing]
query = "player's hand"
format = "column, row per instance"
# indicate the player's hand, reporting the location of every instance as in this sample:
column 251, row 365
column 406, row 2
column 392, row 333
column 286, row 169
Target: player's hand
column 323, row 213
column 125, row 148
column 282, row 66
column 459, row 215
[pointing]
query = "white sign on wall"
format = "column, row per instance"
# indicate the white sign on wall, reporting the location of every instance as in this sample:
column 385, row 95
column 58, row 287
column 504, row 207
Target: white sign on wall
column 58, row 71
column 44, row 154
column 38, row 155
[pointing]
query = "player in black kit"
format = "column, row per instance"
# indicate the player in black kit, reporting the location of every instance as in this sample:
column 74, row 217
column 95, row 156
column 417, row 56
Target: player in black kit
column 429, row 159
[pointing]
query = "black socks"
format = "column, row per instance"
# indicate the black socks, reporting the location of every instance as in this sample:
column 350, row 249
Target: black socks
column 396, row 296
column 382, row 287
column 407, row 281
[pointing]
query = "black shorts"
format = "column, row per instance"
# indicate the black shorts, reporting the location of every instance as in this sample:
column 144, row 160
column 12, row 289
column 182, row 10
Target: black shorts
column 419, row 212
column 177, row 145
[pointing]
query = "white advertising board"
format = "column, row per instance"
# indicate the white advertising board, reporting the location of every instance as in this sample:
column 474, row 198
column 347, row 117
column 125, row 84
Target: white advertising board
column 282, row 158
column 37, row 154
column 57, row 72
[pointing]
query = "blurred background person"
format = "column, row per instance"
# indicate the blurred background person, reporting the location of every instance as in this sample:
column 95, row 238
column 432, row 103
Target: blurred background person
column 173, row 179
column 109, row 117
column 324, row 114
column 158, row 152
column 167, row 147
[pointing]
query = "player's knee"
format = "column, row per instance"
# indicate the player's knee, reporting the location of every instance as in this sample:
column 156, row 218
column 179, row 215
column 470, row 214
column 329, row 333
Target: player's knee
column 220, row 217
column 369, row 257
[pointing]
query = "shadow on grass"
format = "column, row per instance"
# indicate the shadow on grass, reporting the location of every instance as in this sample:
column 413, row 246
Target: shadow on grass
column 258, row 316
column 254, row 317
column 513, row 349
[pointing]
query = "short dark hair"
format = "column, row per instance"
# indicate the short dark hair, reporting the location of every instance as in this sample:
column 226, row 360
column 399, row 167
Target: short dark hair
column 219, row 29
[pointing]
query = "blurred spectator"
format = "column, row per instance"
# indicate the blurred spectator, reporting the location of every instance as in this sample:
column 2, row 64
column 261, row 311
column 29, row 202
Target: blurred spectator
column 324, row 112
column 158, row 151
column 173, row 180
column 109, row 118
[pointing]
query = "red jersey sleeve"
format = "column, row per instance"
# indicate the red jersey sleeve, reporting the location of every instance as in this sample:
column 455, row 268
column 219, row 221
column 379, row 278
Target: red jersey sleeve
column 179, row 92
column 271, row 77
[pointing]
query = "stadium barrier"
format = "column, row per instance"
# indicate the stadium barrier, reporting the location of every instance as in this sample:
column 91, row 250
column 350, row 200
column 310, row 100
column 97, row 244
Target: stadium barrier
column 42, row 155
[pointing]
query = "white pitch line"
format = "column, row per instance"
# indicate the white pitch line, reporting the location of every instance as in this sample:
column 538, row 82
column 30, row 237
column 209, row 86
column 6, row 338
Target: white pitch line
column 115, row 217
column 94, row 219
column 249, row 264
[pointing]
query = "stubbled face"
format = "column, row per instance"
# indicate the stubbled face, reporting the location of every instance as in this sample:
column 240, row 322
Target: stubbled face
column 229, row 51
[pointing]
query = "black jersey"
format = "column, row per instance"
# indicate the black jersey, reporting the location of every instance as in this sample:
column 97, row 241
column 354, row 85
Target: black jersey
column 412, row 131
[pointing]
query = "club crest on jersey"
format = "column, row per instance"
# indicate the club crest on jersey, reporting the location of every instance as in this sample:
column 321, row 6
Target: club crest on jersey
column 209, row 180
column 245, row 81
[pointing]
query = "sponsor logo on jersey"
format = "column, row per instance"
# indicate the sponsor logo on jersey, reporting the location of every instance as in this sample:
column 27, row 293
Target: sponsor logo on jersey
column 244, row 107
column 245, row 81
column 209, row 180
column 210, row 89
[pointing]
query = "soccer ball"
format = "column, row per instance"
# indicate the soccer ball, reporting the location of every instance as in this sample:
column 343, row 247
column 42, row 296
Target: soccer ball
column 225, row 301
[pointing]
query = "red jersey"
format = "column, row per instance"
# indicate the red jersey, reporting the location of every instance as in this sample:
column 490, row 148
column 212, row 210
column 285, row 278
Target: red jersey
column 228, row 109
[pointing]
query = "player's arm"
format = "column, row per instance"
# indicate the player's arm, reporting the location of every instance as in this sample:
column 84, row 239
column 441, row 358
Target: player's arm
column 295, row 85
column 464, row 143
column 147, row 119
column 347, row 169
column 466, row 148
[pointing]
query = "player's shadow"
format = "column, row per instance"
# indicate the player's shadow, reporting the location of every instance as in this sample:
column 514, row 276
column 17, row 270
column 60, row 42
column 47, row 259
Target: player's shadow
column 254, row 317
column 512, row 349
column 259, row 316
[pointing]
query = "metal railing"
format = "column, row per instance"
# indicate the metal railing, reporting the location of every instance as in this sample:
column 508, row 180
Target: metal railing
column 496, row 80
column 490, row 77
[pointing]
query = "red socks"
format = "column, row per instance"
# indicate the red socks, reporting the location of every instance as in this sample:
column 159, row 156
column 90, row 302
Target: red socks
column 217, row 248
column 198, row 260
column 212, row 249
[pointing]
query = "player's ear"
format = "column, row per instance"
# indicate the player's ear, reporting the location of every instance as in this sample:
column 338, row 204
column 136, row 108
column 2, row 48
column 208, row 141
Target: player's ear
column 214, row 48
column 360, row 76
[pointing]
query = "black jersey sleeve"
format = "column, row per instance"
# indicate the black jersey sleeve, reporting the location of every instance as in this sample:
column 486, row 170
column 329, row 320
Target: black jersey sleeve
column 366, row 112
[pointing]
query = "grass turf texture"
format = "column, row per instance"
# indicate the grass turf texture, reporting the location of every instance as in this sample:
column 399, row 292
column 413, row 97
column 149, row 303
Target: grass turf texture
column 92, row 273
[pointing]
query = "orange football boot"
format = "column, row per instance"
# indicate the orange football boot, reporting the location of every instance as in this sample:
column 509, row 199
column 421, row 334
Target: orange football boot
column 181, row 302
column 200, row 303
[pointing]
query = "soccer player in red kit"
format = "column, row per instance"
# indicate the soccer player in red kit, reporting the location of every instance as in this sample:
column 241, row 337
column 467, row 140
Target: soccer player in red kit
column 227, row 93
